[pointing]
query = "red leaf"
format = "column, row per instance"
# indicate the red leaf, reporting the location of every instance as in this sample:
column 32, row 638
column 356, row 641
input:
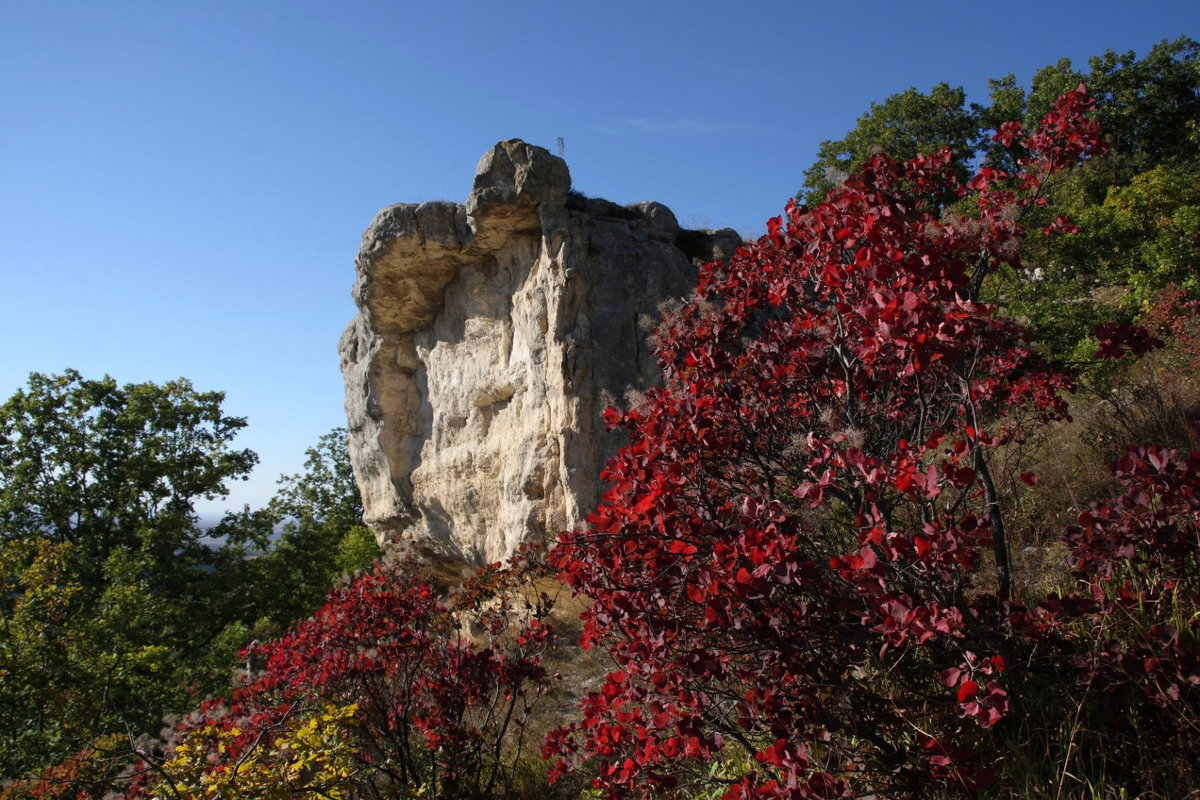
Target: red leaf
column 865, row 558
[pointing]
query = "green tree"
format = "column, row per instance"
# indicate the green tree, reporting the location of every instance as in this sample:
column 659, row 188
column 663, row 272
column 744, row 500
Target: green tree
column 1006, row 102
column 1135, row 209
column 1146, row 234
column 291, row 552
column 109, row 468
column 110, row 585
column 39, row 653
column 321, row 536
column 1148, row 107
column 325, row 491
column 117, row 606
column 902, row 126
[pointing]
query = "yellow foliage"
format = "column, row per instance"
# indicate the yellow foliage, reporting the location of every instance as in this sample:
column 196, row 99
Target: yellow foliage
column 310, row 756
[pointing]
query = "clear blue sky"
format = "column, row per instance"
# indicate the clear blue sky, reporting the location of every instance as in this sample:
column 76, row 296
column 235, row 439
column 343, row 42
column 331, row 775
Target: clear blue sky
column 183, row 184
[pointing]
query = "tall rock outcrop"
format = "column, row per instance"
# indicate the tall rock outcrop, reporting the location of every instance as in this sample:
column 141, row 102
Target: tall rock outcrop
column 489, row 338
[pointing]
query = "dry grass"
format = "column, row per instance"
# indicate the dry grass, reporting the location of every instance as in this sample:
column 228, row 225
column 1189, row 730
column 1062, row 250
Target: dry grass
column 1153, row 401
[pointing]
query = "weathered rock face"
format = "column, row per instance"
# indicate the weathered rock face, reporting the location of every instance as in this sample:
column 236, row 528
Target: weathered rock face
column 489, row 338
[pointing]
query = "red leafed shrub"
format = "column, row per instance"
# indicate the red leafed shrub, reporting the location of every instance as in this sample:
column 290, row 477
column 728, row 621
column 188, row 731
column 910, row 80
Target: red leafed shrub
column 89, row 774
column 802, row 557
column 1128, row 640
column 441, row 691
column 1139, row 560
column 1117, row 340
column 1175, row 316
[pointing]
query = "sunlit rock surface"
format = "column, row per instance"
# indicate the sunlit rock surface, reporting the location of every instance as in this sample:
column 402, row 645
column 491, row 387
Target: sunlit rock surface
column 490, row 337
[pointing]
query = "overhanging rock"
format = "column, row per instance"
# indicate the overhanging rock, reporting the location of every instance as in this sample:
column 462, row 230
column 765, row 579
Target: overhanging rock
column 490, row 336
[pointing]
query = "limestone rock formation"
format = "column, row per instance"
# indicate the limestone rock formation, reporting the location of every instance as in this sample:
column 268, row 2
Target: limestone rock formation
column 489, row 338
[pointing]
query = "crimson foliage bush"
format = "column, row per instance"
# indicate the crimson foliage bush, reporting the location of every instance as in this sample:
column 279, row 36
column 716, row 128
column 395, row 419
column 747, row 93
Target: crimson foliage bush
column 802, row 565
column 389, row 690
column 402, row 693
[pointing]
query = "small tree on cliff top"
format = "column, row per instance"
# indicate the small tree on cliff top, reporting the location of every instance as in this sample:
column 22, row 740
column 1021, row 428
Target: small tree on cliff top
column 802, row 555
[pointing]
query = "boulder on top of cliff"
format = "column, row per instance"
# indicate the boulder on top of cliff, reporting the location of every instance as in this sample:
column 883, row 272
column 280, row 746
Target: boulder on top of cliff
column 490, row 336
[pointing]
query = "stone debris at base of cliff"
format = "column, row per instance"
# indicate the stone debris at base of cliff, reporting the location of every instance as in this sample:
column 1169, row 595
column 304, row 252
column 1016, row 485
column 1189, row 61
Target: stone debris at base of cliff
column 490, row 337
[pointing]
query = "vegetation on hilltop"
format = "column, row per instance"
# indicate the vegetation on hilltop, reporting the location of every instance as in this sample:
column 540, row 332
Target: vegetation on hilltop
column 118, row 608
column 1136, row 211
